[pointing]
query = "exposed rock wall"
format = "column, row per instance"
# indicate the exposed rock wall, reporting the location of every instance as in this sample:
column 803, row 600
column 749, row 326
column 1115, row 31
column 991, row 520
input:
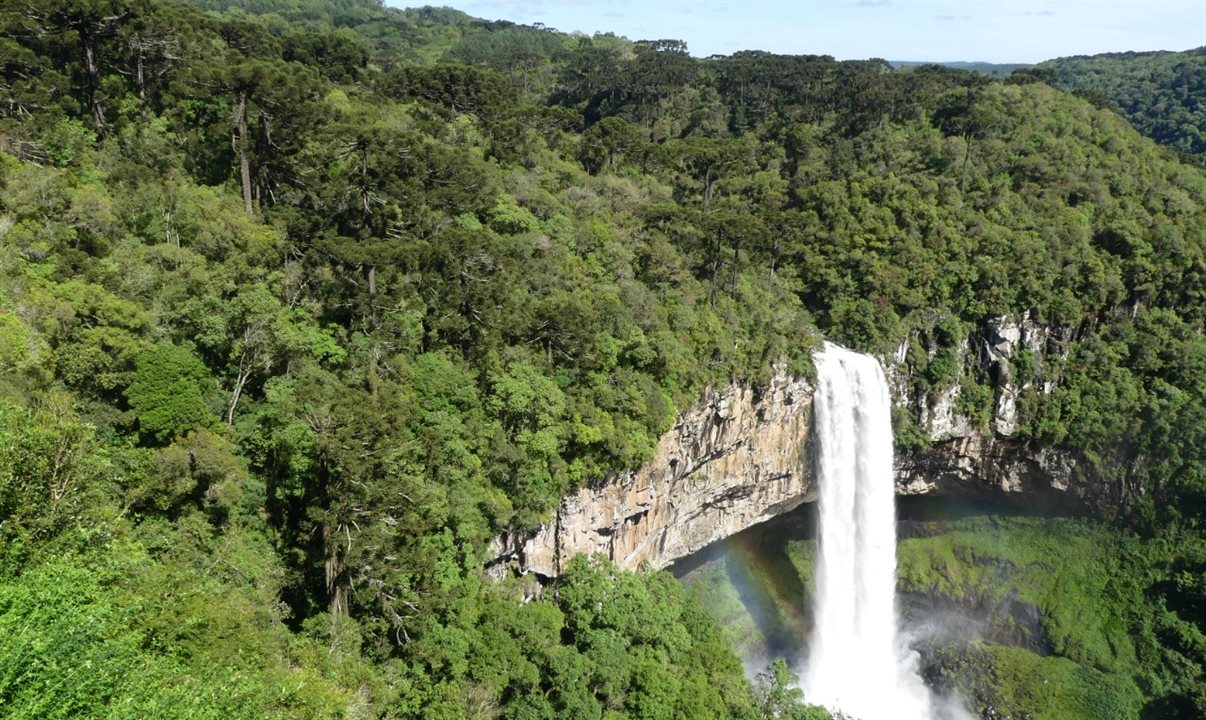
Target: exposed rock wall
column 740, row 457
column 966, row 460
column 979, row 464
column 733, row 460
column 1004, row 340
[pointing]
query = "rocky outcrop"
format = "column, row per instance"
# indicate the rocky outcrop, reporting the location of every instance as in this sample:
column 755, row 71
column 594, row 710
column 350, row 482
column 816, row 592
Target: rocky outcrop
column 965, row 460
column 733, row 460
column 980, row 465
column 740, row 457
column 1004, row 341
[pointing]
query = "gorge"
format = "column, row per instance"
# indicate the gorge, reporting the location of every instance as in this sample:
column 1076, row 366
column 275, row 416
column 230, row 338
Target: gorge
column 366, row 363
column 743, row 455
column 734, row 502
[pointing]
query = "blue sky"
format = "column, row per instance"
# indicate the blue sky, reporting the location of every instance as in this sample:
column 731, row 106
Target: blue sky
column 939, row 30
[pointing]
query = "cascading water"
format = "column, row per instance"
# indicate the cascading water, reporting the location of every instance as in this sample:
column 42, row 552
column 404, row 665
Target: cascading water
column 856, row 662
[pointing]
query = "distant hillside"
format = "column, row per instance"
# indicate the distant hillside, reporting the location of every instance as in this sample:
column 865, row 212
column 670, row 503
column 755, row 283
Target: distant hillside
column 396, row 36
column 1163, row 94
column 984, row 68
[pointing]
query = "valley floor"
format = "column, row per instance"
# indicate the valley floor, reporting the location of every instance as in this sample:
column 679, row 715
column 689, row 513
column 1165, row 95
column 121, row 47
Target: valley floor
column 1046, row 618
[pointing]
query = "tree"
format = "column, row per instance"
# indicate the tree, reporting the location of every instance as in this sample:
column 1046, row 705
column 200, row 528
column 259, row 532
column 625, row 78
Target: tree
column 340, row 55
column 591, row 77
column 88, row 25
column 169, row 394
column 151, row 46
column 781, row 697
column 610, row 142
column 256, row 333
column 461, row 89
column 50, row 470
column 277, row 97
column 30, row 85
column 708, row 160
column 973, row 114
column 661, row 67
column 18, row 349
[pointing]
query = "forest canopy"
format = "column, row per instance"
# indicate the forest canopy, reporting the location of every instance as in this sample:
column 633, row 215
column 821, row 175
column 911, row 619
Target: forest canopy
column 1161, row 93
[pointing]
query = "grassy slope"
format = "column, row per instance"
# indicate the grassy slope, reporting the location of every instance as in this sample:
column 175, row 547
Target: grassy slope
column 1072, row 571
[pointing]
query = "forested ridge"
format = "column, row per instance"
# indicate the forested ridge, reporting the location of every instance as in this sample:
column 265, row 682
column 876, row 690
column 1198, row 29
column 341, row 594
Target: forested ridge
column 1161, row 93
column 302, row 303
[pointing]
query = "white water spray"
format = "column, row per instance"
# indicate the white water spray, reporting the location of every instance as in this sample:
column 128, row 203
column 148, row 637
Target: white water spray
column 857, row 663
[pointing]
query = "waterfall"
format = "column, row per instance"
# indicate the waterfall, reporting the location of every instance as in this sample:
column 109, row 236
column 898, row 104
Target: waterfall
column 857, row 663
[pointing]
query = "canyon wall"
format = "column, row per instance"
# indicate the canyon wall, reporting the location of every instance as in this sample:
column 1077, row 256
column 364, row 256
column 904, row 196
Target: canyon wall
column 741, row 455
column 963, row 459
column 733, row 460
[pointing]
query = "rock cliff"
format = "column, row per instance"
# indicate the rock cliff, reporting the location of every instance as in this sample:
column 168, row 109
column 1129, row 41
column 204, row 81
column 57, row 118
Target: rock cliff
column 963, row 459
column 740, row 456
column 983, row 465
column 733, row 460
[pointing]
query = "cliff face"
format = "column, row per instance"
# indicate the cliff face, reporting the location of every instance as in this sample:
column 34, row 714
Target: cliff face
column 733, row 460
column 965, row 460
column 984, row 465
column 740, row 457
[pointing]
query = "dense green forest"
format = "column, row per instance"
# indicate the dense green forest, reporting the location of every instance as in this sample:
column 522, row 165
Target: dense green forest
column 301, row 303
column 1163, row 94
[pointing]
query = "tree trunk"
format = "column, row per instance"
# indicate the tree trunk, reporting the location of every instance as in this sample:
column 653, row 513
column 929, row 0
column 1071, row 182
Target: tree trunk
column 966, row 158
column 140, row 76
column 240, row 383
column 372, row 288
column 716, row 249
column 92, row 83
column 333, row 571
column 736, row 258
column 241, row 142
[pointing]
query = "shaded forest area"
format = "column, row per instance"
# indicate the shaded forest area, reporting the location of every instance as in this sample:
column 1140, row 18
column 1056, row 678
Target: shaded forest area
column 301, row 303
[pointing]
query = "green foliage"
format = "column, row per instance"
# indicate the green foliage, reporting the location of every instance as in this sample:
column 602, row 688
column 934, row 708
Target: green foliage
column 67, row 142
column 654, row 652
column 81, row 642
column 52, row 474
column 782, row 697
column 1062, row 567
column 907, row 434
column 16, row 341
column 1016, row 681
column 1100, row 595
column 168, row 393
column 1159, row 92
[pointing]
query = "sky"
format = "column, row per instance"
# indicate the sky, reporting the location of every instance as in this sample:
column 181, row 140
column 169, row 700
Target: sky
column 1003, row 31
